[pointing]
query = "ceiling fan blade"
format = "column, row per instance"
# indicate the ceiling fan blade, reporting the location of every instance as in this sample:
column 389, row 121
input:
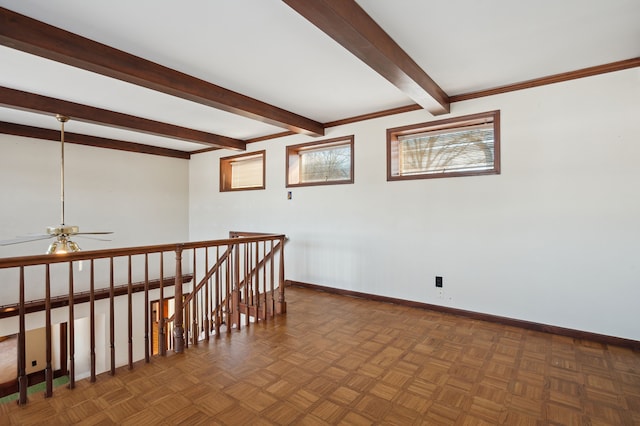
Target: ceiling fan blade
column 94, row 233
column 92, row 238
column 20, row 240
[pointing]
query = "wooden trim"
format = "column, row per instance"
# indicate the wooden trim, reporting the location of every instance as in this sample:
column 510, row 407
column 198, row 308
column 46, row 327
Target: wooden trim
column 44, row 104
column 87, row 140
column 528, row 325
column 38, row 38
column 294, row 151
column 201, row 151
column 7, row 311
column 349, row 25
column 379, row 114
column 551, row 79
column 274, row 136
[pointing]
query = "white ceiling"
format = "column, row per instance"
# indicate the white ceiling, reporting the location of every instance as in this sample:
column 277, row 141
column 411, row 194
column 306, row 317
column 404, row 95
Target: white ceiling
column 266, row 50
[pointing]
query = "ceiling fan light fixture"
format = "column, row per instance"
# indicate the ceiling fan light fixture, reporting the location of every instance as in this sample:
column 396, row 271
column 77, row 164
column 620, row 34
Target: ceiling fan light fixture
column 63, row 245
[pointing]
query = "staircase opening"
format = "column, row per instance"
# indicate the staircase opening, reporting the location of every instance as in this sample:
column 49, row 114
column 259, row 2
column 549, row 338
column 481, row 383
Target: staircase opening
column 161, row 330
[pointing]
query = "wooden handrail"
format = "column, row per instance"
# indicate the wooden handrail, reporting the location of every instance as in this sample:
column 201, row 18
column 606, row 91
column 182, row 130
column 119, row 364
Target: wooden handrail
column 44, row 259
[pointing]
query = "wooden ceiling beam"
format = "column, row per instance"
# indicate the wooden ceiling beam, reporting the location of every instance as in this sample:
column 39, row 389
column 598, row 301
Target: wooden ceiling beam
column 29, row 35
column 27, row 101
column 348, row 24
column 87, row 140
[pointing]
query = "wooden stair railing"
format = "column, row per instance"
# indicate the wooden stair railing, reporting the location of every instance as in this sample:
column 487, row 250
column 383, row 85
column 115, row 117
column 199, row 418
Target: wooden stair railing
column 234, row 280
column 233, row 277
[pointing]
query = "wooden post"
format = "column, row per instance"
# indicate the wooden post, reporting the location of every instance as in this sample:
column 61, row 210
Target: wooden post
column 272, row 296
column 178, row 331
column 162, row 337
column 207, row 300
column 256, row 286
column 194, row 304
column 248, row 293
column 48, row 370
column 281, row 306
column 22, row 349
column 147, row 357
column 130, row 315
column 92, row 319
column 228, row 283
column 72, row 336
column 112, row 319
column 236, row 288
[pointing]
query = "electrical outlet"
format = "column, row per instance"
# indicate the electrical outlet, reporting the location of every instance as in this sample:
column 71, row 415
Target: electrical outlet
column 439, row 282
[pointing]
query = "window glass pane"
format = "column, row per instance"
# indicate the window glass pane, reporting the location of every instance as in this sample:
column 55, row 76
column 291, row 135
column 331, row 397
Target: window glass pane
column 321, row 165
column 448, row 151
column 246, row 173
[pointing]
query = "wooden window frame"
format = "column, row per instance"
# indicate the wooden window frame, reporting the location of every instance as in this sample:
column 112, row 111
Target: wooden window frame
column 226, row 178
column 293, row 151
column 446, row 124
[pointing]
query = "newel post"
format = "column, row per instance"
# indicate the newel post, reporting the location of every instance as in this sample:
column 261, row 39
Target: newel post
column 178, row 330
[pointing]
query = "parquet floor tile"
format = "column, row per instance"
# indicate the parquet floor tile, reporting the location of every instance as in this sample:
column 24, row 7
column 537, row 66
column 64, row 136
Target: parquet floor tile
column 348, row 361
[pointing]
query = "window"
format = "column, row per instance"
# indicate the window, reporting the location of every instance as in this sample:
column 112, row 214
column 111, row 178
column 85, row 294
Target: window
column 242, row 172
column 463, row 146
column 320, row 163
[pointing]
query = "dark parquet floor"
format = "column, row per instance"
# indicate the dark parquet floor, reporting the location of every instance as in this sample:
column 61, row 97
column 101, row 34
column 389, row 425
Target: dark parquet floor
column 340, row 360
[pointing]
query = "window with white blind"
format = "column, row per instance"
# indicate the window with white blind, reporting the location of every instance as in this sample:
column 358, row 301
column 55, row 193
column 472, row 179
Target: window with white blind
column 463, row 146
column 242, row 172
column 320, row 163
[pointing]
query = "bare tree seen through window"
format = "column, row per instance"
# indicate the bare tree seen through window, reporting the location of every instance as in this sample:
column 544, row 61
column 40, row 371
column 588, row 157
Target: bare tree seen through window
column 329, row 164
column 445, row 152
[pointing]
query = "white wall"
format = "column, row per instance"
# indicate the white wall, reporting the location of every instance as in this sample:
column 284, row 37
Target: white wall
column 142, row 198
column 554, row 239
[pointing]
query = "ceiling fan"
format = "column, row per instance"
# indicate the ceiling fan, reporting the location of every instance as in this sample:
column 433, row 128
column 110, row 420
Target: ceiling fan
column 62, row 233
